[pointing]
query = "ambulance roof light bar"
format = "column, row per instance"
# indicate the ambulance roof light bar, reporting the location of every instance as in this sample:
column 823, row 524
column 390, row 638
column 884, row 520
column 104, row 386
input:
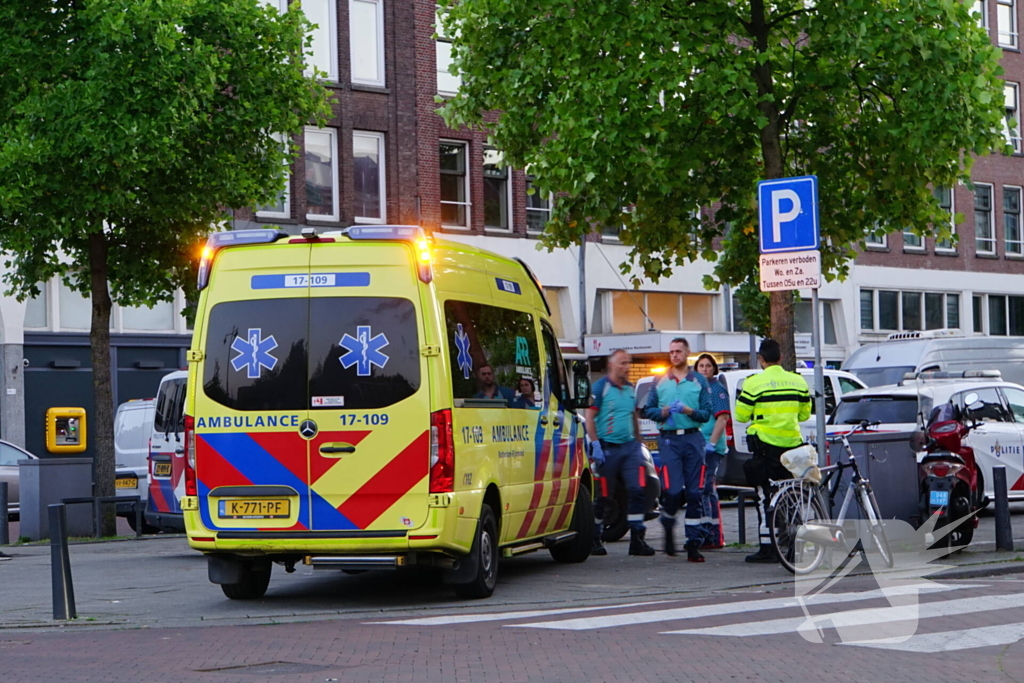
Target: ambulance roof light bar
column 419, row 238
column 232, row 238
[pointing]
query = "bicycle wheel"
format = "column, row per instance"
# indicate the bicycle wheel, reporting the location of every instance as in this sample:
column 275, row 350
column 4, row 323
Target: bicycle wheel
column 869, row 506
column 793, row 508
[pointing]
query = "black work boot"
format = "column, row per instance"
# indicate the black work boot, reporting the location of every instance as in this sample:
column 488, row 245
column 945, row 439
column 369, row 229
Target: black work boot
column 764, row 555
column 670, row 539
column 637, row 544
column 693, row 552
column 598, row 548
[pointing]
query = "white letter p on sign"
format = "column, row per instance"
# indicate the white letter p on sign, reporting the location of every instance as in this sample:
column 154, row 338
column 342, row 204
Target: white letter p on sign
column 778, row 218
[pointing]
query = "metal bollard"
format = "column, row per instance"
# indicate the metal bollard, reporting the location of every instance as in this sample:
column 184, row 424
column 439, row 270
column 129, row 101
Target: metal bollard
column 60, row 565
column 1004, row 532
column 741, row 513
column 5, row 529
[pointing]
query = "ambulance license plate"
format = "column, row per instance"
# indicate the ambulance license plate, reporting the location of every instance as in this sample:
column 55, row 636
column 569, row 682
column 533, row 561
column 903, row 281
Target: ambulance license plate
column 265, row 508
column 938, row 498
column 126, row 483
column 162, row 469
column 652, row 444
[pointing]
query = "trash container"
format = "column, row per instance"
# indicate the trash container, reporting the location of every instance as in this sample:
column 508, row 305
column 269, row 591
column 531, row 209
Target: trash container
column 46, row 482
column 890, row 464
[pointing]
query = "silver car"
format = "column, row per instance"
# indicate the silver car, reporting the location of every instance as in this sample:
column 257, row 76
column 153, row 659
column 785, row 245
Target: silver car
column 9, row 457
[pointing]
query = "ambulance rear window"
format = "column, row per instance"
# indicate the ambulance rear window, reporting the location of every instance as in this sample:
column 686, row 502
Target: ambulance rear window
column 321, row 353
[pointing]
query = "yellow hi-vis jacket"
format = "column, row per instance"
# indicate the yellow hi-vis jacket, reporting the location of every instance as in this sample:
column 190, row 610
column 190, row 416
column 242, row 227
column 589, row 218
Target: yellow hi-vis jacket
column 775, row 402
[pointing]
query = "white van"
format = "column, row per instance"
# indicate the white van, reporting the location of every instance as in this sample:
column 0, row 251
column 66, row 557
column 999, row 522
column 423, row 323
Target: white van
column 946, row 350
column 167, row 455
column 133, row 426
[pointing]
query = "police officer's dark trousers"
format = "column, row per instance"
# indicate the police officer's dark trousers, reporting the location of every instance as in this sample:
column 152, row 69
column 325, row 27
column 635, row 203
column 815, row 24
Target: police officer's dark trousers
column 761, row 469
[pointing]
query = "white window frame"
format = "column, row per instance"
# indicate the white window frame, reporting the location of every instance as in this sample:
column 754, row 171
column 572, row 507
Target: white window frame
column 382, row 176
column 876, row 240
column 335, row 194
column 1011, row 98
column 332, row 37
column 912, row 247
column 380, row 82
column 876, row 311
column 1007, row 37
column 1019, row 242
column 287, row 212
column 466, row 183
column 991, row 221
column 508, row 199
column 527, row 209
column 951, row 249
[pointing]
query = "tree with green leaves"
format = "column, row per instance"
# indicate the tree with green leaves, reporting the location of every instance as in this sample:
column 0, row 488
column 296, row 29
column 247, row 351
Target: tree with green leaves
column 127, row 127
column 662, row 115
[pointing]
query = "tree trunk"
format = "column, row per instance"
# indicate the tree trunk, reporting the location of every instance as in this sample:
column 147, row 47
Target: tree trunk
column 781, row 303
column 101, row 427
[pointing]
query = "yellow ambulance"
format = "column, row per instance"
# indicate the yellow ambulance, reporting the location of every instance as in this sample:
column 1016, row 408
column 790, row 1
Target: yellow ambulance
column 373, row 398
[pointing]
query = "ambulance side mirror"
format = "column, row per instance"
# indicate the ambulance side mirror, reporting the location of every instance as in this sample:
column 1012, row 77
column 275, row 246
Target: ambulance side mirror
column 581, row 384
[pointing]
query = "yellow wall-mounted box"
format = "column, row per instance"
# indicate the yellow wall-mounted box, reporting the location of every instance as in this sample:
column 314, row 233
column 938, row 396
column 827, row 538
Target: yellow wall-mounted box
column 65, row 430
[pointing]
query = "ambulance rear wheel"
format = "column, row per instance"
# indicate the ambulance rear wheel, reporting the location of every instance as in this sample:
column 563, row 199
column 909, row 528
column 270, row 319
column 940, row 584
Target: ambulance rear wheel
column 485, row 550
column 255, row 577
column 578, row 548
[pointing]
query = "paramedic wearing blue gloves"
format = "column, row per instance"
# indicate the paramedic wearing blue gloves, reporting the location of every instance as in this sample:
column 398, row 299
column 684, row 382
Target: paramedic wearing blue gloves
column 613, row 428
column 680, row 402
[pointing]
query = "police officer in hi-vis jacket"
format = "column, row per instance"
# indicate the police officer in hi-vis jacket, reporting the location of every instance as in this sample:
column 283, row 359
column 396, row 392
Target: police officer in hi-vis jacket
column 680, row 402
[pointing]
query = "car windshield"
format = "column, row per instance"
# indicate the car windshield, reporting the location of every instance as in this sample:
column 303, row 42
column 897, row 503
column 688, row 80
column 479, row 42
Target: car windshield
column 641, row 393
column 884, row 409
column 876, row 377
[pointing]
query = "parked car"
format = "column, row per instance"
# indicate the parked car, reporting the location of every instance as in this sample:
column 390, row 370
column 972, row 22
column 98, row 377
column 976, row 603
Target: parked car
column 730, row 473
column 886, row 362
column 9, row 457
column 133, row 426
column 998, row 439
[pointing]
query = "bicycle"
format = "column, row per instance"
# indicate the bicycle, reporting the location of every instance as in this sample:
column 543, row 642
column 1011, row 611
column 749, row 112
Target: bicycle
column 801, row 529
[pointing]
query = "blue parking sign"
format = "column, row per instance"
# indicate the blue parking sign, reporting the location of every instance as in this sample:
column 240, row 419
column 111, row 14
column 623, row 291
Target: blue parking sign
column 788, row 210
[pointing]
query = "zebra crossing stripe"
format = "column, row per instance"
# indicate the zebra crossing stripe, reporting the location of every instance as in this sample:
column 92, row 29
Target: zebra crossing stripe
column 500, row 616
column 612, row 620
column 862, row 617
column 951, row 641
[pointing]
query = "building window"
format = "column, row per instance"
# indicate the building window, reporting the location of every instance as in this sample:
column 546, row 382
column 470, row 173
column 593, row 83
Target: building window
column 1011, row 125
column 323, row 54
column 454, row 185
column 36, row 314
column 1006, row 22
column 803, row 320
column 867, row 309
column 980, row 11
column 159, row 317
column 282, row 207
column 907, row 311
column 996, row 315
column 538, row 207
column 321, row 174
column 876, row 238
column 984, row 233
column 366, row 41
column 633, row 311
column 369, row 197
column 1011, row 221
column 978, row 311
column 553, row 296
column 912, row 241
column 496, row 191
column 945, row 198
column 447, row 82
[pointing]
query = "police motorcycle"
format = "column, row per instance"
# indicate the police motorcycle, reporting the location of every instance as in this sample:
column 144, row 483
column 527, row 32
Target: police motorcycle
column 615, row 503
column 948, row 473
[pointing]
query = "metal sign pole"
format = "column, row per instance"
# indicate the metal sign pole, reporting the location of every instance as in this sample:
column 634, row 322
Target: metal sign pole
column 819, row 379
column 583, row 292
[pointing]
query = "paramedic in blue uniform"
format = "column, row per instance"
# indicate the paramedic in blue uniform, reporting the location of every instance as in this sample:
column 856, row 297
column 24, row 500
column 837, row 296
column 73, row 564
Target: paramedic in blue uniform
column 680, row 402
column 613, row 428
column 714, row 450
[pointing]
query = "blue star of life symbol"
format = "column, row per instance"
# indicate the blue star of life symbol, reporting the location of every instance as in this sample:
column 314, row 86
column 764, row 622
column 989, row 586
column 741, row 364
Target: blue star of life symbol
column 464, row 360
column 364, row 350
column 254, row 353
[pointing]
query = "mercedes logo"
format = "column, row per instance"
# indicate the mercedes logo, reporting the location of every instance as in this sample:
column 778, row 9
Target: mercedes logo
column 307, row 429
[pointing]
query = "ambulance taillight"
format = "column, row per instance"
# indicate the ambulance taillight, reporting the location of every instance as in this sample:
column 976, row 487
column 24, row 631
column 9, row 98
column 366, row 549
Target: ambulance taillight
column 190, row 457
column 442, row 452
